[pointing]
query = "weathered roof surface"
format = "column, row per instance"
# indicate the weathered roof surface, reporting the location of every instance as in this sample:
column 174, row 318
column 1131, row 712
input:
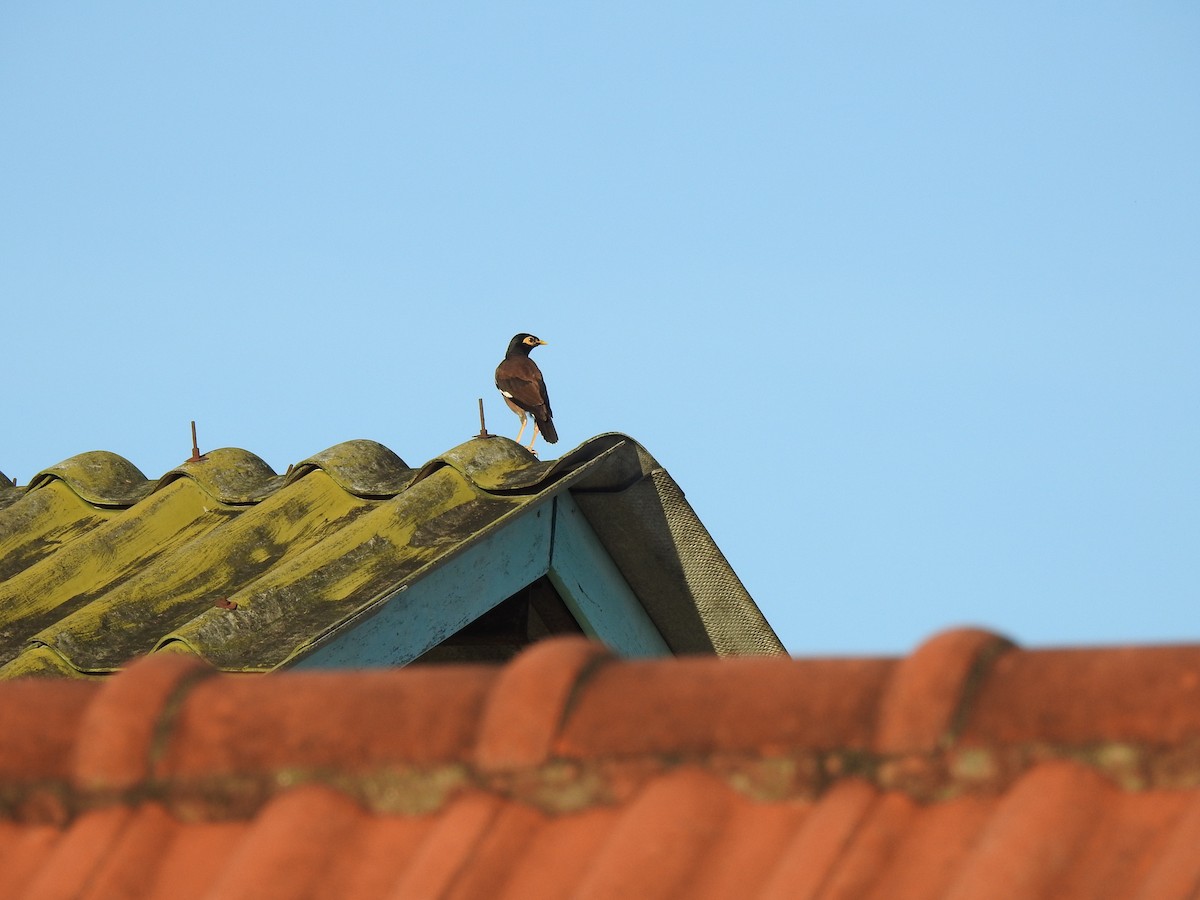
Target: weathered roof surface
column 224, row 559
column 969, row 769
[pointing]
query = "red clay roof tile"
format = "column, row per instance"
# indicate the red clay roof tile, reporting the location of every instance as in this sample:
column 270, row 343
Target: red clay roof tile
column 926, row 696
column 1175, row 873
column 448, row 846
column 366, row 866
column 572, row 842
column 1033, row 835
column 872, row 846
column 530, row 701
column 660, row 839
column 1146, row 694
column 751, row 845
column 490, row 860
column 136, row 849
column 24, row 850
column 805, row 864
column 926, row 856
column 124, row 723
column 1122, row 843
column 751, row 703
column 74, row 861
column 572, row 773
column 44, row 752
column 193, row 859
column 319, row 720
column 291, row 848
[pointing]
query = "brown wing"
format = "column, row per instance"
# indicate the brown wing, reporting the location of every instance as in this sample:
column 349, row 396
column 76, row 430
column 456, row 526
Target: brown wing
column 521, row 381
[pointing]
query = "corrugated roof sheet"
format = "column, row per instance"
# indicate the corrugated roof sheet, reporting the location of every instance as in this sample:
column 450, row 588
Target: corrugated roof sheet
column 969, row 769
column 225, row 559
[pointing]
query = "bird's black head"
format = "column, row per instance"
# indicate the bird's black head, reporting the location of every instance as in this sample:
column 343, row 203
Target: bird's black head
column 522, row 343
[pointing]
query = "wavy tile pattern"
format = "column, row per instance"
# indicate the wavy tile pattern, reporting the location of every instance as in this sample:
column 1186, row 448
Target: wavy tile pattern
column 224, row 559
column 569, row 772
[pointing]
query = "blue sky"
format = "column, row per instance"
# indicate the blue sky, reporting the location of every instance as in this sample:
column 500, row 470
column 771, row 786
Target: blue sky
column 906, row 299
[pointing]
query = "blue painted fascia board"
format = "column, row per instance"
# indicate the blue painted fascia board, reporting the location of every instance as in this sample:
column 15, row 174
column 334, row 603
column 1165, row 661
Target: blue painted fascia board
column 549, row 537
column 595, row 592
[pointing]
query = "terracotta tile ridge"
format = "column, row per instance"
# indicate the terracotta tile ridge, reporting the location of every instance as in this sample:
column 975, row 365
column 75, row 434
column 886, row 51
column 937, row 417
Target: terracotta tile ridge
column 125, row 727
column 96, row 742
column 929, row 697
column 1146, row 696
column 173, row 730
column 929, row 705
column 39, row 727
column 531, row 699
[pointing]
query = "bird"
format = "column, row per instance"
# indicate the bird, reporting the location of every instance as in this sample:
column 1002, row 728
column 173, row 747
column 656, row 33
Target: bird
column 520, row 381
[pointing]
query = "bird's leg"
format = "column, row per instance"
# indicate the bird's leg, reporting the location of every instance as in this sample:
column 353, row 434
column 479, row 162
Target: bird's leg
column 521, row 431
column 535, row 434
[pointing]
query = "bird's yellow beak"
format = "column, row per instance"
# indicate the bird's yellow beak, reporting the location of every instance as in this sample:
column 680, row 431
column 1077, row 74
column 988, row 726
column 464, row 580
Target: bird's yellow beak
column 542, row 343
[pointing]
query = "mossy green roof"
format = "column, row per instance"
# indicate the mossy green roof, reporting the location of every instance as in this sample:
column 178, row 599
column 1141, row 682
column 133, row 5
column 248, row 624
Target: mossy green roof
column 225, row 559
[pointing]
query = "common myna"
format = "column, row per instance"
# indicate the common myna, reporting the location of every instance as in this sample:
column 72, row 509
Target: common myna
column 520, row 381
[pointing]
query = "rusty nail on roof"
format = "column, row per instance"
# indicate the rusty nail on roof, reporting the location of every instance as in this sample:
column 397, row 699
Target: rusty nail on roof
column 195, row 457
column 483, row 432
column 225, row 603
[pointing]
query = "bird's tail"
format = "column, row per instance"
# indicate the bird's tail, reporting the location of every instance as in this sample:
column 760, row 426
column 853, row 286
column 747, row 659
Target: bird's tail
column 546, row 428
